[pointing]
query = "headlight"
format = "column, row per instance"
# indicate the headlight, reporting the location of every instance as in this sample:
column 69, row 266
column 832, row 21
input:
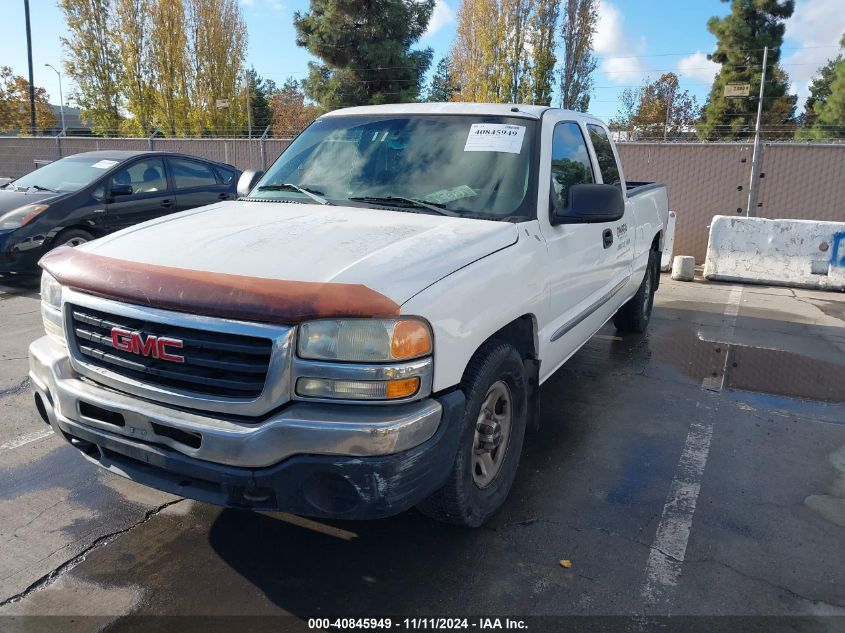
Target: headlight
column 51, row 306
column 51, row 291
column 18, row 217
column 364, row 340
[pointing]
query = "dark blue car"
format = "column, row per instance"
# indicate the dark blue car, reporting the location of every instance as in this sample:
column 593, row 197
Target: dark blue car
column 82, row 197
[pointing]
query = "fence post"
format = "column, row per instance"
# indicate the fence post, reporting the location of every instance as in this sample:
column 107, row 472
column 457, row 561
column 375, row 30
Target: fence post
column 151, row 139
column 59, row 145
column 262, row 142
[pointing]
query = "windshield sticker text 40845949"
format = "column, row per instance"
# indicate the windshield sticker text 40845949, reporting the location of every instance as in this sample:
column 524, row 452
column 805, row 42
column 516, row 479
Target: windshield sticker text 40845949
column 495, row 137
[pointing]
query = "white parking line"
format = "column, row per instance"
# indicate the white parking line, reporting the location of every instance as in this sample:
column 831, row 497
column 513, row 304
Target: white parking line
column 669, row 548
column 23, row 440
column 725, row 335
column 670, row 543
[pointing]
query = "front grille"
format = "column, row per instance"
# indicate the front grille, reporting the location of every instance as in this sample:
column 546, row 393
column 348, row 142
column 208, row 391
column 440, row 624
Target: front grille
column 228, row 365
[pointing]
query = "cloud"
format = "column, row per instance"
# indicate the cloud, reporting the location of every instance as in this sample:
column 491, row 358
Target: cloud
column 813, row 31
column 440, row 17
column 698, row 67
column 618, row 54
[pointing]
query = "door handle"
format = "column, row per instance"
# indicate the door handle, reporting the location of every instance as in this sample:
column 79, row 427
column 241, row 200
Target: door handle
column 167, row 204
column 223, row 196
column 607, row 238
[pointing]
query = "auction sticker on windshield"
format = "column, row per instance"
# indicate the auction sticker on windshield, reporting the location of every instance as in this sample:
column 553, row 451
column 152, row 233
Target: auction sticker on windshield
column 105, row 164
column 495, row 137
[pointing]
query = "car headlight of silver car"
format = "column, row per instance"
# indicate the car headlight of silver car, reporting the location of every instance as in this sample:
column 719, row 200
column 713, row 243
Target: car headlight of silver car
column 364, row 359
column 51, row 306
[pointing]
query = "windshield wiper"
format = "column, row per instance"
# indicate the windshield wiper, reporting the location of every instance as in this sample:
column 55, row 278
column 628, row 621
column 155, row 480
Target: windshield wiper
column 412, row 202
column 40, row 188
column 315, row 195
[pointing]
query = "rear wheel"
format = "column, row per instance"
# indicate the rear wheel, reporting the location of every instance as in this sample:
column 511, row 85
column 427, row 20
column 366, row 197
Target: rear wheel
column 635, row 315
column 72, row 237
column 496, row 387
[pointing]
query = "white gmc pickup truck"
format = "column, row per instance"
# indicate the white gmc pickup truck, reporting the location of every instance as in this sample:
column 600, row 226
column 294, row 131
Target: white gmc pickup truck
column 367, row 327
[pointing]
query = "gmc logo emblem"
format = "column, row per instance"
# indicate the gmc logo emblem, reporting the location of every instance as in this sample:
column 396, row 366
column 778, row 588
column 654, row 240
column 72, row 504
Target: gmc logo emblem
column 155, row 346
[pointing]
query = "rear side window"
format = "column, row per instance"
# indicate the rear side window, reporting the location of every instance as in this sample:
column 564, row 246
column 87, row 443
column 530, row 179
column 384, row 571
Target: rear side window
column 226, row 175
column 570, row 162
column 189, row 173
column 604, row 153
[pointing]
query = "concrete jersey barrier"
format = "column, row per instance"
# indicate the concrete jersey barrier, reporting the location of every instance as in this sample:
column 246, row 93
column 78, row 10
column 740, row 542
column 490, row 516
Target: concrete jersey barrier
column 799, row 253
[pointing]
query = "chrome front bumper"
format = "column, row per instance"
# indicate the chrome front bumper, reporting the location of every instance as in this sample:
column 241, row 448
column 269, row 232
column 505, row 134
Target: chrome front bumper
column 297, row 429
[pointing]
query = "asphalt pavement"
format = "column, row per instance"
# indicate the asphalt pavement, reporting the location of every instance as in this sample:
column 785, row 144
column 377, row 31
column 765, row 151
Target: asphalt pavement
column 698, row 470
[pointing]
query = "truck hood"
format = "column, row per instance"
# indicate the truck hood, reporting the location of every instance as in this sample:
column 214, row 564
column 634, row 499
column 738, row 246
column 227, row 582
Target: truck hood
column 394, row 253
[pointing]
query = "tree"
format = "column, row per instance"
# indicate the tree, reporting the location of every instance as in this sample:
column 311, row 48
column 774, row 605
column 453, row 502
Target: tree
column 169, row 65
column 820, row 89
column 542, row 40
column 629, row 100
column 14, row 104
column 130, row 30
column 741, row 36
column 260, row 92
column 217, row 48
column 829, row 109
column 475, row 54
column 93, row 62
column 291, row 114
column 365, row 48
column 577, row 29
column 443, row 86
column 659, row 99
column 504, row 50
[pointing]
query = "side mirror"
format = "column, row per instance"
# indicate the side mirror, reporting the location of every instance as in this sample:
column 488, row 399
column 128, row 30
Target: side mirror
column 120, row 190
column 591, row 203
column 247, row 181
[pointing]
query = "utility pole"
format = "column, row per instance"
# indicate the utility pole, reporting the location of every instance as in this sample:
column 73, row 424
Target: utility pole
column 755, row 157
column 61, row 98
column 31, row 79
column 248, row 86
column 668, row 114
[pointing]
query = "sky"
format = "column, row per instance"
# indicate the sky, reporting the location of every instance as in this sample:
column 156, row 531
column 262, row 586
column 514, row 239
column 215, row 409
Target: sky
column 635, row 40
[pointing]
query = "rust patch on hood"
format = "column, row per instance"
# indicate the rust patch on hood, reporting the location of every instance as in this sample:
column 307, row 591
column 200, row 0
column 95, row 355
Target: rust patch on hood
column 213, row 294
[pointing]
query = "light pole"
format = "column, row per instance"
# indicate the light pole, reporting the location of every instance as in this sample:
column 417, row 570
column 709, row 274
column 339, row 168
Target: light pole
column 61, row 98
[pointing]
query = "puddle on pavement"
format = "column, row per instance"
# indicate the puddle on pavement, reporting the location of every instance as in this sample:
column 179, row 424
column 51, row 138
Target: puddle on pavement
column 678, row 351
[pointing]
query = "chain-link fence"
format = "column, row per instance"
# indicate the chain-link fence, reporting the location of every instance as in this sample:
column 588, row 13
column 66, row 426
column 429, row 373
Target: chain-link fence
column 21, row 154
column 800, row 181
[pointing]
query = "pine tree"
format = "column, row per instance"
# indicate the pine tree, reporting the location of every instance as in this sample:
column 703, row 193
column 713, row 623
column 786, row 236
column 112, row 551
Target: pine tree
column 260, row 92
column 442, row 87
column 830, row 113
column 820, row 89
column 741, row 36
column 366, row 50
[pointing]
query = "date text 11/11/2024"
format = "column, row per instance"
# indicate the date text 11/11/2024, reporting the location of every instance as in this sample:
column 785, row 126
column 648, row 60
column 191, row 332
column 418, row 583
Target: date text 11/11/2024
column 432, row 624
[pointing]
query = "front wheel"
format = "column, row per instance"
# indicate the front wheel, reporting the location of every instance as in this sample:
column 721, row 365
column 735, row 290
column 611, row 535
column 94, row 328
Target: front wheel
column 72, row 237
column 635, row 315
column 496, row 387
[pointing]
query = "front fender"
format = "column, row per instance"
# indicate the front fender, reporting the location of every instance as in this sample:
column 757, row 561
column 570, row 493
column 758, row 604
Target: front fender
column 466, row 307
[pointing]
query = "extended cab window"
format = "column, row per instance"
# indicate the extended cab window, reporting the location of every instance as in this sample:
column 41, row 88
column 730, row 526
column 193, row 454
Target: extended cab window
column 604, row 153
column 570, row 162
column 189, row 173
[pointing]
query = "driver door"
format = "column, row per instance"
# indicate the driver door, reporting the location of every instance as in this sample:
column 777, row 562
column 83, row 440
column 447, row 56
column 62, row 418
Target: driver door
column 150, row 196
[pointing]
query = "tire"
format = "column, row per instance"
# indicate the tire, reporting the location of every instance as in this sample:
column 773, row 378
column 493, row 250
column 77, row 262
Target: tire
column 72, row 237
column 484, row 467
column 635, row 315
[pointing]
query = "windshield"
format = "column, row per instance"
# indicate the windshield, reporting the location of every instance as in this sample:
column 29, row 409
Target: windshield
column 67, row 174
column 473, row 166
